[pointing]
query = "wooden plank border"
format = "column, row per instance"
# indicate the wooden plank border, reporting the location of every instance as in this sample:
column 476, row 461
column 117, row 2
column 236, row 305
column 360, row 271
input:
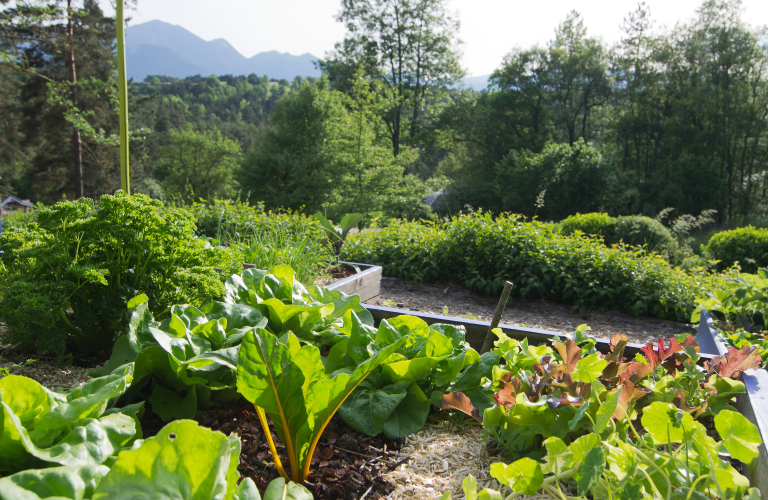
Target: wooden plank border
column 366, row 283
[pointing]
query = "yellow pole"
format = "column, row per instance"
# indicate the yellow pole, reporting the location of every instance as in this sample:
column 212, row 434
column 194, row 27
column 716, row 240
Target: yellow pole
column 125, row 178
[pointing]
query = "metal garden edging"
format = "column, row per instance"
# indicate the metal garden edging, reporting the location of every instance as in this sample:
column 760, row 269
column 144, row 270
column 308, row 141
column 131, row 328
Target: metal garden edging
column 753, row 404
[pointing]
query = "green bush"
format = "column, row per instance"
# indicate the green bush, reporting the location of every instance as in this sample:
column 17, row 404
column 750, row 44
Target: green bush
column 66, row 279
column 638, row 230
column 480, row 252
column 747, row 245
column 597, row 224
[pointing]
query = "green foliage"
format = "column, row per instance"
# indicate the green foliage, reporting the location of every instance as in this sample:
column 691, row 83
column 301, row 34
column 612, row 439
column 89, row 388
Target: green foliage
column 597, row 224
column 337, row 235
column 182, row 461
column 481, row 252
column 290, row 168
column 740, row 311
column 66, row 279
column 197, row 164
column 747, row 245
column 189, row 359
column 556, row 182
column 395, row 399
column 290, row 384
column 582, row 426
column 39, row 427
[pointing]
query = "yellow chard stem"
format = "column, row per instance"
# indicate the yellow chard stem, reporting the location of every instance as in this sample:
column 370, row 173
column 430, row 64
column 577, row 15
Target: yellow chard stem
column 272, row 448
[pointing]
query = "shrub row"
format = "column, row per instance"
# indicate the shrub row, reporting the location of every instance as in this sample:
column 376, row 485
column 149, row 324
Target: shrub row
column 480, row 252
column 747, row 245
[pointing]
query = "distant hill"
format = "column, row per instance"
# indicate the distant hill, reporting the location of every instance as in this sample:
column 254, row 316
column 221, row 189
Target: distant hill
column 476, row 83
column 160, row 48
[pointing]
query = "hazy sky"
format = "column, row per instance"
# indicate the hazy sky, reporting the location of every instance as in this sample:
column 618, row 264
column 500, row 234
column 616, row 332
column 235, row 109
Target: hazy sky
column 489, row 28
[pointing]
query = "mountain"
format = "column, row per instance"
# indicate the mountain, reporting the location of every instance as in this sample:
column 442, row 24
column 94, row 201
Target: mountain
column 476, row 83
column 160, row 48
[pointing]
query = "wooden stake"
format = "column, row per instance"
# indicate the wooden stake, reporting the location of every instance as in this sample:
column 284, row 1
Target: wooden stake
column 497, row 317
column 122, row 81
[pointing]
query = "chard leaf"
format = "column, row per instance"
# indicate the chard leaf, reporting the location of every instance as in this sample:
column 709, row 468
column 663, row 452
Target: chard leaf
column 270, row 377
column 278, row 490
column 740, row 436
column 182, row 461
column 237, row 315
column 73, row 483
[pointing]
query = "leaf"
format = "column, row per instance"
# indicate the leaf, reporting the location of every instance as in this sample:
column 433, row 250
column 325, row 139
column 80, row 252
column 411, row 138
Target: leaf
column 182, row 461
column 368, row 408
column 469, row 486
column 583, row 445
column 169, row 405
column 666, row 423
column 279, row 490
column 523, row 476
column 574, row 422
column 632, row 492
column 559, row 457
column 656, row 357
column 606, row 411
column 295, row 390
column 570, row 353
column 73, row 483
column 458, row 401
column 247, row 490
column 737, row 360
column 409, row 416
column 589, row 368
column 590, row 471
column 739, row 435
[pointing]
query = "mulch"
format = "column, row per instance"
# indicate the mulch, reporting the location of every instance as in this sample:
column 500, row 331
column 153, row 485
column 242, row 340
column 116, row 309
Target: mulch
column 346, row 465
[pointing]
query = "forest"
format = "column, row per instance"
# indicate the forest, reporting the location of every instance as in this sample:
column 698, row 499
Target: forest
column 665, row 118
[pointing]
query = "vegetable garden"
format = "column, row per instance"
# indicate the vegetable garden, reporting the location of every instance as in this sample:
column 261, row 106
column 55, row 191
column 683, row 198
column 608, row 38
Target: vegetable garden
column 130, row 281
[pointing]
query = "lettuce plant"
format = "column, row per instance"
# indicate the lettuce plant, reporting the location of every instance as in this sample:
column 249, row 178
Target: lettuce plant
column 40, row 427
column 289, row 383
column 395, row 399
column 182, row 461
column 674, row 459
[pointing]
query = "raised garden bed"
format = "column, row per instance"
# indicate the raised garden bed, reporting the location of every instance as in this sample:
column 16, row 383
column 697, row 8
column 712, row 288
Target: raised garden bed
column 753, row 404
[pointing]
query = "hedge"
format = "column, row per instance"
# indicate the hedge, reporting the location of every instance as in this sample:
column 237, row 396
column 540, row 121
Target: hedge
column 480, row 252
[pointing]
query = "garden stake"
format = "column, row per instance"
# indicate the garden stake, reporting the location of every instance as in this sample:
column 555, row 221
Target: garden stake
column 497, row 316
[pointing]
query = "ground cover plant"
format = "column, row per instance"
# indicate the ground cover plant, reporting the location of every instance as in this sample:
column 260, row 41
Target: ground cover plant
column 602, row 425
column 66, row 279
column 482, row 252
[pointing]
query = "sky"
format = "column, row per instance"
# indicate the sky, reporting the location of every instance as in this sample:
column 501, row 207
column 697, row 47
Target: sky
column 489, row 28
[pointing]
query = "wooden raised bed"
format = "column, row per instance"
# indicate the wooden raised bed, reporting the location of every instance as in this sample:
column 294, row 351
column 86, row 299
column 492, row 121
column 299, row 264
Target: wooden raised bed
column 753, row 404
column 366, row 282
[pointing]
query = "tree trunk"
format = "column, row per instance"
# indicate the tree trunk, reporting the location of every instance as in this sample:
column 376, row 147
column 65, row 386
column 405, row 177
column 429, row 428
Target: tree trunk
column 77, row 146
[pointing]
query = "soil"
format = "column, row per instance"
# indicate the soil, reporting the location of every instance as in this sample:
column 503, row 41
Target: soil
column 346, row 464
column 533, row 313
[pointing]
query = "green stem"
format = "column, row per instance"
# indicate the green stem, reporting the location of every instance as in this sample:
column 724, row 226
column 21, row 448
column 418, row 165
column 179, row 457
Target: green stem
column 650, row 462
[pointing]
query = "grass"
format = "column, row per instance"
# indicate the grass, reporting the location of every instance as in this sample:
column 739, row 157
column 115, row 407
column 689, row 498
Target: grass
column 282, row 242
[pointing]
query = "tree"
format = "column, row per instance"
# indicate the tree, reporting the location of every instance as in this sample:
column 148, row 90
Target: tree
column 409, row 45
column 290, row 169
column 65, row 109
column 198, row 164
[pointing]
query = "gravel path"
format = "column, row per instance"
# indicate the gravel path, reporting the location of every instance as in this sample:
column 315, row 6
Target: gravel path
column 532, row 313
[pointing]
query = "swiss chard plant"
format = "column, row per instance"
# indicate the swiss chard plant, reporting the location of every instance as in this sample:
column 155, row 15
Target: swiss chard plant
column 191, row 356
column 289, row 383
column 182, row 461
column 336, row 236
column 39, row 427
column 67, row 278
